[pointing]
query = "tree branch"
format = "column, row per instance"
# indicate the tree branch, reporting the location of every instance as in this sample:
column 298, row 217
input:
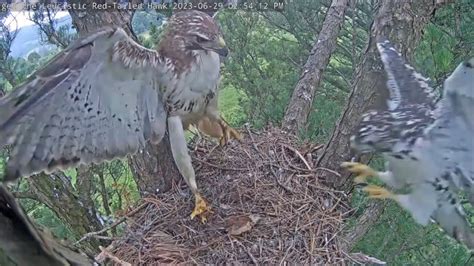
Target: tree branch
column 297, row 112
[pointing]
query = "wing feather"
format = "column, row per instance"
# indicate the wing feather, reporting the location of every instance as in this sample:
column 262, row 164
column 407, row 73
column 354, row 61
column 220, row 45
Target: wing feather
column 406, row 86
column 90, row 103
column 447, row 144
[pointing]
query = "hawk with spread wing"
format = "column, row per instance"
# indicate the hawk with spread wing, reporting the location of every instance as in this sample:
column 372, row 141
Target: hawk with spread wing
column 106, row 96
column 428, row 146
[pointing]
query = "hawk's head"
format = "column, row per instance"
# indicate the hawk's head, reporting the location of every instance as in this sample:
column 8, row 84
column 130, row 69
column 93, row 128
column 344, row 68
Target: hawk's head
column 189, row 33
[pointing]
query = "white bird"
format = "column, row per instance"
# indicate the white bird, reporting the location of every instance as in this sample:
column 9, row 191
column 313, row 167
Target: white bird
column 428, row 147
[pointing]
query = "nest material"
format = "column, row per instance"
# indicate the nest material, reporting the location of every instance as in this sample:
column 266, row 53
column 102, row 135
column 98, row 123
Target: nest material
column 269, row 207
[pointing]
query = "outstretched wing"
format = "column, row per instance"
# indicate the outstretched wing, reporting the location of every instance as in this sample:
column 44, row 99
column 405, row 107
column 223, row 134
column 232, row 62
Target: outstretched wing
column 406, row 86
column 97, row 100
column 448, row 145
column 409, row 112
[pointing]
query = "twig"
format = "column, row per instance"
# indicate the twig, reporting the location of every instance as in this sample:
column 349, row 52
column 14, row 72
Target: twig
column 106, row 254
column 287, row 189
column 328, row 170
column 253, row 142
column 298, row 154
column 105, row 229
column 315, row 148
column 220, row 167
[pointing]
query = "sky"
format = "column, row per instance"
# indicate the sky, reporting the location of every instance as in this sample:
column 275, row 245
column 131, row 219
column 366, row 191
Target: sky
column 19, row 19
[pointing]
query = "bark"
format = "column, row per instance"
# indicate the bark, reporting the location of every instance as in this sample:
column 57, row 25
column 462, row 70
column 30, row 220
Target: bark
column 154, row 168
column 90, row 19
column 57, row 193
column 369, row 217
column 299, row 107
column 402, row 22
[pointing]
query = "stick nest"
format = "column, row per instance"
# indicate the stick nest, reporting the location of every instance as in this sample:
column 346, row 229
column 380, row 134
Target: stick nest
column 269, row 207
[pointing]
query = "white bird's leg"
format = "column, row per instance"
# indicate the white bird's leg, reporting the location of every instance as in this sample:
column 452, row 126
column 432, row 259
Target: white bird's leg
column 418, row 203
column 362, row 171
column 182, row 160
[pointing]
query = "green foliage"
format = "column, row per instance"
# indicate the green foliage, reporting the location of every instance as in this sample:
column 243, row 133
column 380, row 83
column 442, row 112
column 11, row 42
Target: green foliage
column 150, row 38
column 120, row 185
column 397, row 239
column 142, row 21
column 229, row 104
column 255, row 67
column 47, row 218
column 268, row 50
column 448, row 40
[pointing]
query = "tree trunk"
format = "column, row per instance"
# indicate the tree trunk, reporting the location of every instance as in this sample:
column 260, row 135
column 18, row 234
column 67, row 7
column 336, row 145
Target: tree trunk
column 56, row 192
column 90, row 19
column 402, row 22
column 299, row 107
column 154, row 168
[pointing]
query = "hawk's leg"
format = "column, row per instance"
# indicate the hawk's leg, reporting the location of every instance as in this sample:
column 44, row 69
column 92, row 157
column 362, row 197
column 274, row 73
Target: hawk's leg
column 229, row 132
column 361, row 170
column 210, row 128
column 183, row 162
column 217, row 128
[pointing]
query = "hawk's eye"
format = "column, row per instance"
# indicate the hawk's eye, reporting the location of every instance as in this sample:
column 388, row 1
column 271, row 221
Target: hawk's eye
column 201, row 39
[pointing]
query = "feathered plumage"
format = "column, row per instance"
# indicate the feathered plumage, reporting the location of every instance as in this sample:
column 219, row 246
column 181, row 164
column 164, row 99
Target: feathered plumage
column 428, row 147
column 106, row 96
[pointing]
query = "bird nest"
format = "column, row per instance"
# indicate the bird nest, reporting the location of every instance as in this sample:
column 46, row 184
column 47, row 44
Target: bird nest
column 269, row 207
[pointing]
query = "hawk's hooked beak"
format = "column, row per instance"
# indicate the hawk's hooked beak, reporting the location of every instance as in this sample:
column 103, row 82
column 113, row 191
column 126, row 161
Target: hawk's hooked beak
column 222, row 51
column 217, row 46
column 221, row 48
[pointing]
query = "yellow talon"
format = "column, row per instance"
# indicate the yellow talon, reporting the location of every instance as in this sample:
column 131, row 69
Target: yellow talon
column 201, row 209
column 361, row 170
column 218, row 129
column 378, row 192
column 228, row 133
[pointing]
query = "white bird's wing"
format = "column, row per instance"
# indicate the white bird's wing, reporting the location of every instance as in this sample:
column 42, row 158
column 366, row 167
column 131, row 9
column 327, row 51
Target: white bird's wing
column 97, row 100
column 409, row 107
column 448, row 144
column 406, row 86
